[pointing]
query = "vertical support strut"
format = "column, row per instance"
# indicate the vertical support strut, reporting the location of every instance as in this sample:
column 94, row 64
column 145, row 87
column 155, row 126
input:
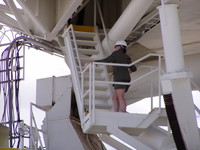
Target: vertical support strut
column 176, row 81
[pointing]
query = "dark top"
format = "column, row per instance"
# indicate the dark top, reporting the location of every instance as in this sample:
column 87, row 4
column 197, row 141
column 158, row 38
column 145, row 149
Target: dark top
column 121, row 74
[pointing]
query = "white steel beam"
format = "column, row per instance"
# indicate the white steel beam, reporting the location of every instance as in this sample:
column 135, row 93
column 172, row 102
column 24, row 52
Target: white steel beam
column 176, row 81
column 112, row 142
column 33, row 17
column 155, row 114
column 6, row 9
column 19, row 18
column 127, row 21
column 127, row 138
column 72, row 7
column 9, row 21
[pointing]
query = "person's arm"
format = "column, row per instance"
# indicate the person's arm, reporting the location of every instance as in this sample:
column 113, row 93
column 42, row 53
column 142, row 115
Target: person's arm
column 110, row 58
column 133, row 68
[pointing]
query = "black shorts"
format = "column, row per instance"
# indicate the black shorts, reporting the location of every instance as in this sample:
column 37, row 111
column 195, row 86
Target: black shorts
column 120, row 86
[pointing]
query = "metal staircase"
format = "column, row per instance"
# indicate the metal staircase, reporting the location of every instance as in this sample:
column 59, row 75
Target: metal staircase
column 85, row 47
column 92, row 86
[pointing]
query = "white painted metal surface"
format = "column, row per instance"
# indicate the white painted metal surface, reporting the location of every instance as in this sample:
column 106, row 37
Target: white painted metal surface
column 37, row 18
column 180, row 85
column 44, row 98
column 61, row 134
column 171, row 38
column 113, row 142
column 127, row 21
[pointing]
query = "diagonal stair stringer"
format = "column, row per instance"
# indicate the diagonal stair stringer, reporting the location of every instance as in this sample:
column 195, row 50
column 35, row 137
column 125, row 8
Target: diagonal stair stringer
column 130, row 140
column 81, row 47
column 113, row 142
column 152, row 116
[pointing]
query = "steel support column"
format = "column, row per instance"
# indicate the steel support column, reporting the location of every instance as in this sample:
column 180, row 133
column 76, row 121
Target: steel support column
column 176, row 81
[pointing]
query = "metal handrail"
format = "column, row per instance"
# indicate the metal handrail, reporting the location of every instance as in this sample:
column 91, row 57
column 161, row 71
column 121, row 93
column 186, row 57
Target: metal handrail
column 73, row 67
column 91, row 68
column 33, row 121
column 198, row 88
column 74, row 42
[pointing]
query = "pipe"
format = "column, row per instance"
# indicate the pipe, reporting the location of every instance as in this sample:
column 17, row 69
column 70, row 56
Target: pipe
column 176, row 81
column 126, row 22
column 172, row 38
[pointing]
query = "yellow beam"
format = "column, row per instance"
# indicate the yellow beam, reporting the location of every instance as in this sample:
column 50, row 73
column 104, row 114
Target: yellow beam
column 83, row 28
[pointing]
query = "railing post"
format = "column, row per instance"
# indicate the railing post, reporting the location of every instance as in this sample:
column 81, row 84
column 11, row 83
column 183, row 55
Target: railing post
column 33, row 144
column 31, row 128
column 76, row 47
column 159, row 82
column 74, row 71
column 90, row 89
column 82, row 93
column 93, row 92
column 151, row 93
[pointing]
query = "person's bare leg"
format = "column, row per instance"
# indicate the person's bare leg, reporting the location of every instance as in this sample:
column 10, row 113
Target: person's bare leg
column 121, row 99
column 115, row 102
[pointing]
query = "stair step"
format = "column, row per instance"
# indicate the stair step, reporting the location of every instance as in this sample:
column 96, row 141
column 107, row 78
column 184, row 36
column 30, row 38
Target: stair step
column 84, row 34
column 99, row 97
column 86, row 43
column 122, row 120
column 98, row 104
column 81, row 28
column 88, row 51
column 152, row 116
column 98, row 87
column 128, row 122
column 97, row 70
column 100, row 93
column 86, row 75
column 98, row 78
column 85, row 59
